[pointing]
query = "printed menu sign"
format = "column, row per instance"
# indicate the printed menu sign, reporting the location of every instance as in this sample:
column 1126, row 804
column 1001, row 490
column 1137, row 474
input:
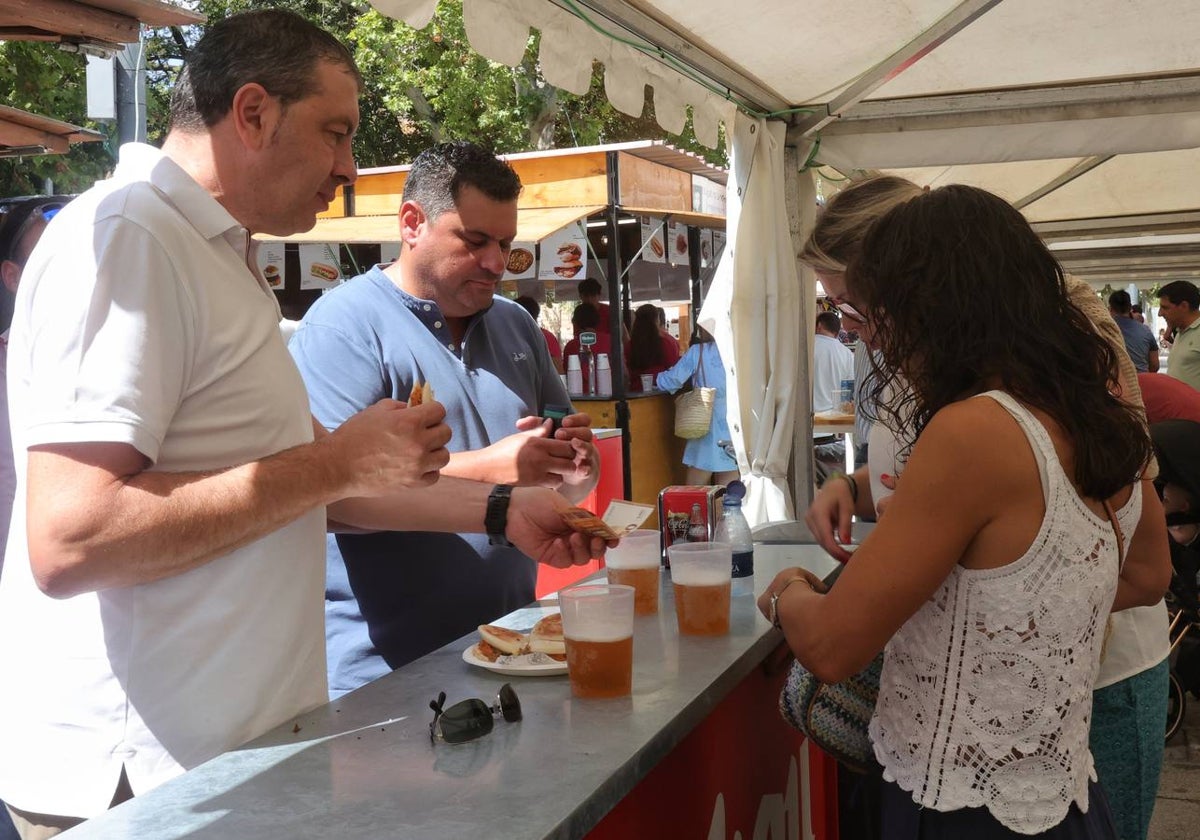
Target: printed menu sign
column 564, row 254
column 706, row 247
column 521, row 264
column 655, row 251
column 677, row 243
column 320, row 267
column 269, row 257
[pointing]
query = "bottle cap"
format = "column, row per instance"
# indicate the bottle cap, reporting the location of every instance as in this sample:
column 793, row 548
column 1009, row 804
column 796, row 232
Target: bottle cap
column 735, row 491
column 573, row 362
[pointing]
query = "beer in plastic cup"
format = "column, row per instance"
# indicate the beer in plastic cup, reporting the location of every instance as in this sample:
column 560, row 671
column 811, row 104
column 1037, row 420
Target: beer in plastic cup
column 598, row 631
column 635, row 562
column 701, row 577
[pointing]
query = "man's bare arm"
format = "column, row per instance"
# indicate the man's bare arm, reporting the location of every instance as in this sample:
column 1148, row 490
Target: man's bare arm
column 98, row 518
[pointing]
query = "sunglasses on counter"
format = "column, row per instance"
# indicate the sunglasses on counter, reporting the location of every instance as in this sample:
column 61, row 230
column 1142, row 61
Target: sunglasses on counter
column 471, row 719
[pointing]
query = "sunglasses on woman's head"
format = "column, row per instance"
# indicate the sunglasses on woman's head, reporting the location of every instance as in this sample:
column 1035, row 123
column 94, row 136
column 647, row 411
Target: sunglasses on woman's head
column 471, row 719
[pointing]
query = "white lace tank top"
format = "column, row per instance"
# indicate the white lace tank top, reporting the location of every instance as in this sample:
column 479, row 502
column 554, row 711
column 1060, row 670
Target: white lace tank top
column 986, row 693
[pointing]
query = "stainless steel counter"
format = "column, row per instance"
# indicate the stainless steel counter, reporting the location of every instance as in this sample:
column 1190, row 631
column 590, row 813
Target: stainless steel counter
column 364, row 766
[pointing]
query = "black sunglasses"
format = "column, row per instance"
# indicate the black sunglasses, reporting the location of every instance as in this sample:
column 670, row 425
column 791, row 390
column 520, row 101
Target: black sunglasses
column 471, row 719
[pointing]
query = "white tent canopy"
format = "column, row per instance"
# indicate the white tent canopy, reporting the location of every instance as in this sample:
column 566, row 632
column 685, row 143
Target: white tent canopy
column 1084, row 113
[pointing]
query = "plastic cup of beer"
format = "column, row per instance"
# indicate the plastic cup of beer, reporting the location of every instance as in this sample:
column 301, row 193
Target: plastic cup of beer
column 701, row 576
column 635, row 562
column 598, row 631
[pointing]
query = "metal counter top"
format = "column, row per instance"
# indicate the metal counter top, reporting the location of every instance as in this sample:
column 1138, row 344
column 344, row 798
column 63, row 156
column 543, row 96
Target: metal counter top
column 364, row 766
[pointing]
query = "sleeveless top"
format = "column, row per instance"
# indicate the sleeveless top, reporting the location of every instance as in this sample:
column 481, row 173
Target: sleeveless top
column 986, row 693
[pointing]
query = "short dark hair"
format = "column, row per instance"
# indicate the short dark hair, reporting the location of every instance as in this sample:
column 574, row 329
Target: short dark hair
column 275, row 48
column 589, row 287
column 1181, row 291
column 585, row 317
column 18, row 217
column 439, row 174
column 531, row 305
column 1136, row 308
column 829, row 321
column 1119, row 302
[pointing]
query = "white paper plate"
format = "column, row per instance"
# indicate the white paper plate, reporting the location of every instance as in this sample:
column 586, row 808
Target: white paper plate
column 525, row 665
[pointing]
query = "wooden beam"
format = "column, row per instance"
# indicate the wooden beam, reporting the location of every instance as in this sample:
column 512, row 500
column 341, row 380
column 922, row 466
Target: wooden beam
column 70, row 19
column 13, row 134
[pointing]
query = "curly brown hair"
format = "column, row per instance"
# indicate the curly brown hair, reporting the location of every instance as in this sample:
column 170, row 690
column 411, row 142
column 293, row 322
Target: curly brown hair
column 932, row 261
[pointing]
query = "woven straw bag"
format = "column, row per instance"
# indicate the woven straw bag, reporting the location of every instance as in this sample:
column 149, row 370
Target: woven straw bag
column 694, row 408
column 835, row 716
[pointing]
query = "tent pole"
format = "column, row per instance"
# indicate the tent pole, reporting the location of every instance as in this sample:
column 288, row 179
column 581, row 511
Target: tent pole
column 620, row 386
column 801, row 198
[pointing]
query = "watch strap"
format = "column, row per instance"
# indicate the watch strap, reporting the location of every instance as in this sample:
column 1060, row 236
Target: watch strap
column 495, row 520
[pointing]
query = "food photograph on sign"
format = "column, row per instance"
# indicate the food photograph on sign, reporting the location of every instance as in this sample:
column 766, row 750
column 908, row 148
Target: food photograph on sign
column 677, row 239
column 270, row 262
column 320, row 266
column 521, row 263
column 652, row 238
column 564, row 254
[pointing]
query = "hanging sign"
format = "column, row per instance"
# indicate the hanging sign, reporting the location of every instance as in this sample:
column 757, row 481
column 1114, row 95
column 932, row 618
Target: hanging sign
column 677, row 242
column 655, row 251
column 269, row 257
column 320, row 267
column 521, row 264
column 564, row 254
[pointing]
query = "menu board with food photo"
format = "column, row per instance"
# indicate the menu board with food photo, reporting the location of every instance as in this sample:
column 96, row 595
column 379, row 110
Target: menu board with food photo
column 677, row 241
column 270, row 263
column 564, row 254
column 521, row 264
column 706, row 247
column 718, row 239
column 652, row 238
column 320, row 267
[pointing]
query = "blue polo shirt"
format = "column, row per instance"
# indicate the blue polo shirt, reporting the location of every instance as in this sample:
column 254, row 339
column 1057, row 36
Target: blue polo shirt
column 1139, row 342
column 394, row 597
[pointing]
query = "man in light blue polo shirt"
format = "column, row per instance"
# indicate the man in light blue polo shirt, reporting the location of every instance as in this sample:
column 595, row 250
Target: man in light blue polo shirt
column 1179, row 305
column 432, row 316
column 1140, row 342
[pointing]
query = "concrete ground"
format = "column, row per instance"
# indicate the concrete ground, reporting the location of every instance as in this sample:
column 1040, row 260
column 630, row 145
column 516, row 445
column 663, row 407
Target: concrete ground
column 1177, row 810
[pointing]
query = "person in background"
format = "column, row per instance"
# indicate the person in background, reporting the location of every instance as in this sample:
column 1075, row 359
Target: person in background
column 1133, row 678
column 552, row 345
column 1179, row 306
column 833, row 362
column 1017, row 559
column 662, row 326
column 585, row 319
column 1168, row 398
column 590, row 292
column 650, row 352
column 706, row 458
column 433, row 316
column 20, row 229
column 1135, row 311
column 161, row 597
column 1139, row 341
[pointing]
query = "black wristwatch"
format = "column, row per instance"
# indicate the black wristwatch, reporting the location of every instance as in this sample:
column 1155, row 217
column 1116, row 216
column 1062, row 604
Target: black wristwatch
column 495, row 521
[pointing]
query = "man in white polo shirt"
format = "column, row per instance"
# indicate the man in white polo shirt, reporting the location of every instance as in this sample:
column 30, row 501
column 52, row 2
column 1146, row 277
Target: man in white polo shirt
column 162, row 599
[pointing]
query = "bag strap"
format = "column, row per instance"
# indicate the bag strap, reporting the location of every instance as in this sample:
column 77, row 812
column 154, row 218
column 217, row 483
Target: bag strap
column 699, row 368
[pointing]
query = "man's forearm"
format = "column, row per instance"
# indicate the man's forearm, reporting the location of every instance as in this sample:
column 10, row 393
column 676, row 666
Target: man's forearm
column 116, row 530
column 452, row 506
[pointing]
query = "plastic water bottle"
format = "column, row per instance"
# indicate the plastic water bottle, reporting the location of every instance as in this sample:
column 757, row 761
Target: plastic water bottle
column 735, row 530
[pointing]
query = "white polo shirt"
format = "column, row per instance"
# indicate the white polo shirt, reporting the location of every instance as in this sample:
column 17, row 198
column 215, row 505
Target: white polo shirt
column 138, row 321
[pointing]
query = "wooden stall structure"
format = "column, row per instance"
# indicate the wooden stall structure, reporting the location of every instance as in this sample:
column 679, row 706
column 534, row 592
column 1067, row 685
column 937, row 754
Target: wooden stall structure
column 623, row 199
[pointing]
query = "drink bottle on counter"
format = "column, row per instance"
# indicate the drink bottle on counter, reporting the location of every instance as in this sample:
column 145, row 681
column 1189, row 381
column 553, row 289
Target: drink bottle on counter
column 697, row 528
column 735, row 530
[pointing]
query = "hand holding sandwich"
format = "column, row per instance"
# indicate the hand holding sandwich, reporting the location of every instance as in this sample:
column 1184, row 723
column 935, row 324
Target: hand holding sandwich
column 388, row 446
column 537, row 528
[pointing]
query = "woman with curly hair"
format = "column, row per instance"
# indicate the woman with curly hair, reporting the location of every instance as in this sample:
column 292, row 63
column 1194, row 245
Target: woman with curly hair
column 1022, row 519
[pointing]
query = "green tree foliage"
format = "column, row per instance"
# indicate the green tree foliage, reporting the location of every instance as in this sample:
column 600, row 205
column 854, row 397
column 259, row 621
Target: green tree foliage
column 44, row 80
column 421, row 87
